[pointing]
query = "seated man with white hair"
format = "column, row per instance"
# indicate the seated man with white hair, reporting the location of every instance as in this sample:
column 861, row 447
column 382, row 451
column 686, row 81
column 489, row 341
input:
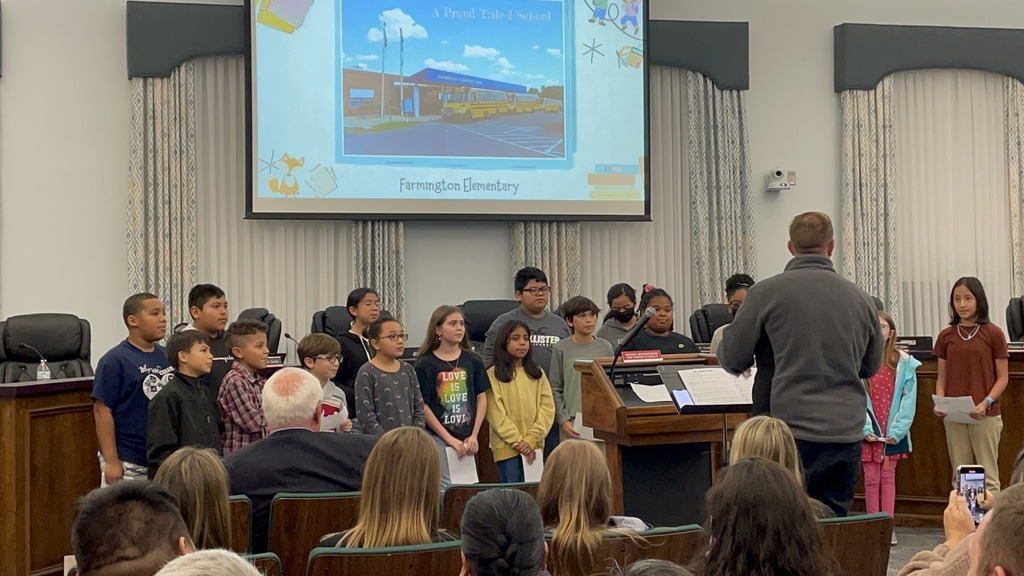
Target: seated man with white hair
column 209, row 563
column 295, row 456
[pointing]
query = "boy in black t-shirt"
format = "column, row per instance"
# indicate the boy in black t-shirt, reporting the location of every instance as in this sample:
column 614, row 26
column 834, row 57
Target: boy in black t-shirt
column 208, row 307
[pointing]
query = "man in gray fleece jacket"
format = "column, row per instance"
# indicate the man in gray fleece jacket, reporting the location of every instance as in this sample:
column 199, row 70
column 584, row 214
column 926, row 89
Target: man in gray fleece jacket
column 816, row 337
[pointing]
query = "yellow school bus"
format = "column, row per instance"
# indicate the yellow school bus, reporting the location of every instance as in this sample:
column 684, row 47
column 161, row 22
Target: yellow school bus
column 473, row 104
column 551, row 105
column 521, row 103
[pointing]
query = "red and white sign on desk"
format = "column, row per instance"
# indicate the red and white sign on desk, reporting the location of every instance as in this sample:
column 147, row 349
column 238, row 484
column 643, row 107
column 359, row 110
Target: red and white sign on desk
column 637, row 356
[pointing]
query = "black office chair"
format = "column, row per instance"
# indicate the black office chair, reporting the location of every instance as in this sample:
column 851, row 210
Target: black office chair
column 333, row 320
column 480, row 314
column 706, row 319
column 1015, row 320
column 878, row 303
column 63, row 340
column 273, row 325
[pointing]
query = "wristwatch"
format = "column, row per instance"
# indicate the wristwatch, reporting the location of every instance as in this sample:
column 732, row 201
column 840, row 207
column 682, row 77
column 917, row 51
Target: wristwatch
column 990, row 401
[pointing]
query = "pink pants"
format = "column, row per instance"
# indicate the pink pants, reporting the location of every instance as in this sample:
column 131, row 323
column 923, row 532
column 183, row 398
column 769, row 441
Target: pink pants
column 880, row 487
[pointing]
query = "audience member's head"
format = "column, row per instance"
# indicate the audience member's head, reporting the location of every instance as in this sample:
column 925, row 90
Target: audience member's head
column 321, row 355
column 209, row 563
column 208, row 307
column 401, row 495
column 768, row 438
column 128, row 528
column 532, row 290
column 247, row 340
column 1017, row 476
column 575, row 501
column 811, row 233
column 363, row 305
column 998, row 546
column 189, row 352
column 144, row 315
column 621, row 303
column 291, row 399
column 760, row 523
column 446, row 324
column 651, row 567
column 199, row 482
column 502, row 535
column 736, row 290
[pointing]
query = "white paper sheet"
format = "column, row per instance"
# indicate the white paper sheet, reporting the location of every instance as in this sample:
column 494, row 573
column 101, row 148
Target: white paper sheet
column 461, row 471
column 332, row 415
column 533, row 471
column 651, row 393
column 957, row 409
column 715, row 386
column 585, row 432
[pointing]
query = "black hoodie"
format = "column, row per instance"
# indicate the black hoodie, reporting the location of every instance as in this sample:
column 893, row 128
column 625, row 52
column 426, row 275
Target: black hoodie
column 182, row 414
column 353, row 356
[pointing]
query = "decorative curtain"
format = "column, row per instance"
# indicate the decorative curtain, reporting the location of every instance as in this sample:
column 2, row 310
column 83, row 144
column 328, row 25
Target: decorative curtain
column 1014, row 94
column 292, row 268
column 722, row 213
column 869, row 192
column 656, row 252
column 554, row 247
column 161, row 227
column 380, row 261
column 952, row 212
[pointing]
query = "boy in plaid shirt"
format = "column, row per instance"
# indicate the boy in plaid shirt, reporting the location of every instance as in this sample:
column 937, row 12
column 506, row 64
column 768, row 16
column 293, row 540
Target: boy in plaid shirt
column 240, row 395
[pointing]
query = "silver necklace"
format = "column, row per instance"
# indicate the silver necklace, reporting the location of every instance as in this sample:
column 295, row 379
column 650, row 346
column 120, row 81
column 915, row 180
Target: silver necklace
column 456, row 366
column 970, row 335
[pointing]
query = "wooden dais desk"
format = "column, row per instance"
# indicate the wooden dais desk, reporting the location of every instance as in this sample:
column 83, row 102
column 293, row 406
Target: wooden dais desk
column 47, row 462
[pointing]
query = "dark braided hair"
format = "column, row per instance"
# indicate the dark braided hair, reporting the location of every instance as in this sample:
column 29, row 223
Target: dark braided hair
column 503, row 534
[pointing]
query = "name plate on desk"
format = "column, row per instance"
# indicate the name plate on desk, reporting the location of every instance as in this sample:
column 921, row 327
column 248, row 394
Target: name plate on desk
column 914, row 343
column 633, row 356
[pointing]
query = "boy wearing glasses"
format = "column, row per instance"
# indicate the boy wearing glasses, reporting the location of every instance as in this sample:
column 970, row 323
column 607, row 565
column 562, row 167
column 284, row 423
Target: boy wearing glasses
column 546, row 329
column 320, row 355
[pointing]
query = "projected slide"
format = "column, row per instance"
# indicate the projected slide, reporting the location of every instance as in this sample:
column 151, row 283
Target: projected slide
column 430, row 108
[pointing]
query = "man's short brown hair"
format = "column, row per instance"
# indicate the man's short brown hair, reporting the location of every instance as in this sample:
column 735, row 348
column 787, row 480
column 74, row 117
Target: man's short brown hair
column 314, row 345
column 1002, row 542
column 810, row 232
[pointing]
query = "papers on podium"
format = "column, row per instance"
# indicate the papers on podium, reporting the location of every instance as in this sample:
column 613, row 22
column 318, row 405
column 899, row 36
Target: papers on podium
column 714, row 386
column 651, row 394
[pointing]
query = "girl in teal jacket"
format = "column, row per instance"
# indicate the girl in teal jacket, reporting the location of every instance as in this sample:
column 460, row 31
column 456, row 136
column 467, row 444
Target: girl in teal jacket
column 892, row 401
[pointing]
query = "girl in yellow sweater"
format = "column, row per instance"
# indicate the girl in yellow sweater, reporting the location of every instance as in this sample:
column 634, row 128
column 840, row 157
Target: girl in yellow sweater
column 520, row 408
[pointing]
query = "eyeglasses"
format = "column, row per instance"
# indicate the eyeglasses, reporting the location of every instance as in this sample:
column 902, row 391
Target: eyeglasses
column 535, row 291
column 395, row 337
column 332, row 358
column 885, row 327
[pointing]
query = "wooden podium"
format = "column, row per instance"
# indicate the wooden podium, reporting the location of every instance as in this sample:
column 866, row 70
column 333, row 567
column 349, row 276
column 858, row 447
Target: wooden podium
column 47, row 462
column 661, row 462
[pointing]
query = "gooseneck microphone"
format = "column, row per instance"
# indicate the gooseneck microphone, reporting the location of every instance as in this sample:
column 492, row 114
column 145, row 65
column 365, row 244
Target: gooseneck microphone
column 629, row 337
column 289, row 336
column 34, row 349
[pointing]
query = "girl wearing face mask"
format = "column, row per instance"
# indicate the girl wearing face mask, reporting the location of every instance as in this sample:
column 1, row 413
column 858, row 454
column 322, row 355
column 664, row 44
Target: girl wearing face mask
column 658, row 334
column 622, row 314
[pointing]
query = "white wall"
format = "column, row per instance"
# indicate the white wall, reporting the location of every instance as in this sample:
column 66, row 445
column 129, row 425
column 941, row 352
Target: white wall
column 794, row 113
column 64, row 105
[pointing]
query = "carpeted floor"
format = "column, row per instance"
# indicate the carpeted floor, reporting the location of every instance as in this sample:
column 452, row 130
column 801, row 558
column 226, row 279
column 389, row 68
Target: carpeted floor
column 911, row 541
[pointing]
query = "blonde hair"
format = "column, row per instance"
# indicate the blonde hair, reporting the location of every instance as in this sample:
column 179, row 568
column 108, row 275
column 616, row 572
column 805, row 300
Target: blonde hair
column 198, row 480
column 890, row 344
column 401, row 496
column 768, row 438
column 575, row 502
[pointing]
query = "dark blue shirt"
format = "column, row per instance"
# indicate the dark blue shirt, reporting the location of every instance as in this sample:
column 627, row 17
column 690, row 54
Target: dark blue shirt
column 126, row 380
